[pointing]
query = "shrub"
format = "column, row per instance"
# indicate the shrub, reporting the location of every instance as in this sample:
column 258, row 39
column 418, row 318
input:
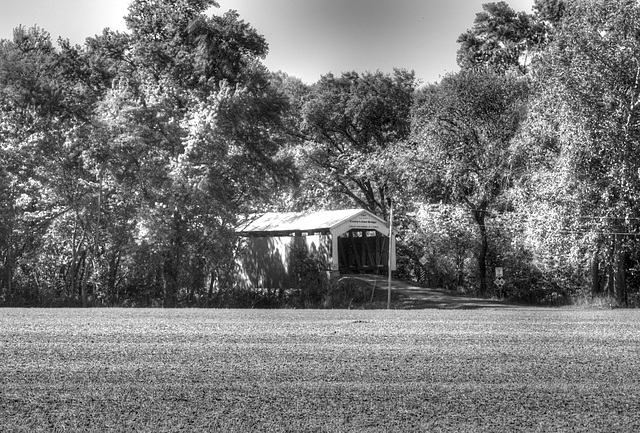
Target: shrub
column 309, row 280
column 445, row 235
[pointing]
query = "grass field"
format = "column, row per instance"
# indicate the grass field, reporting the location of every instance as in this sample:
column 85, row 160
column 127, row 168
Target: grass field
column 325, row 371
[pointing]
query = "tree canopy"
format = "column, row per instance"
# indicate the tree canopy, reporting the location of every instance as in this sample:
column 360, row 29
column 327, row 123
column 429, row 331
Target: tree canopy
column 126, row 162
column 463, row 128
column 351, row 123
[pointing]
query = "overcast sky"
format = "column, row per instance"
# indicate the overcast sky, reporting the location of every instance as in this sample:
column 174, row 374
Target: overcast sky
column 307, row 38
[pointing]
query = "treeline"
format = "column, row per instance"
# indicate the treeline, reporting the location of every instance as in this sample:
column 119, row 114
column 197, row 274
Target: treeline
column 127, row 161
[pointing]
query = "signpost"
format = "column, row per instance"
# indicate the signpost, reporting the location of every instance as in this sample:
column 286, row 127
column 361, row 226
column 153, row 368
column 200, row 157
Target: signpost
column 390, row 234
column 422, row 275
column 499, row 281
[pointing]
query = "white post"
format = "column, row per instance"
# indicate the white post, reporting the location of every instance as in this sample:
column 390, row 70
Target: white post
column 390, row 244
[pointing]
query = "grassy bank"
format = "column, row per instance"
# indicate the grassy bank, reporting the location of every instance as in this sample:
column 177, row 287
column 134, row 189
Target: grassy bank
column 289, row 370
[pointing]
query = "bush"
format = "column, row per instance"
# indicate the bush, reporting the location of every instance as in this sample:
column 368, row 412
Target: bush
column 309, row 276
column 446, row 236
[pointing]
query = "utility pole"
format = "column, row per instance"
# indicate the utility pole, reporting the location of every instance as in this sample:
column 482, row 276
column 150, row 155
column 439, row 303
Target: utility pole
column 390, row 250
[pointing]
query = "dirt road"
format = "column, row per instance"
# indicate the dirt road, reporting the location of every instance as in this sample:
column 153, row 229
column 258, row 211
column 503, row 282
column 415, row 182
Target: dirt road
column 406, row 295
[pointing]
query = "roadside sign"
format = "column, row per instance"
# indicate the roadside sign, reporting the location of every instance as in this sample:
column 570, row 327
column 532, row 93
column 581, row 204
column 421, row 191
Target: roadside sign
column 423, row 260
column 499, row 272
column 499, row 282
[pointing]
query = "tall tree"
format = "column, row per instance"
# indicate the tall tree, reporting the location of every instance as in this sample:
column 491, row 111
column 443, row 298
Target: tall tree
column 208, row 119
column 38, row 109
column 501, row 38
column 462, row 132
column 351, row 124
column 594, row 65
column 125, row 161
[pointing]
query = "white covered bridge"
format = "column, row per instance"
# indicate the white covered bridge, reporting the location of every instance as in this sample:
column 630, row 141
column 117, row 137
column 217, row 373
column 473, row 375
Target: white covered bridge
column 348, row 241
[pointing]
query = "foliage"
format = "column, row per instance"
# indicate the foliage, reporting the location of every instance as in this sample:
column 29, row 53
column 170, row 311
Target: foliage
column 550, row 12
column 443, row 235
column 139, row 151
column 462, row 129
column 126, row 162
column 310, row 280
column 351, row 124
column 501, row 38
column 591, row 70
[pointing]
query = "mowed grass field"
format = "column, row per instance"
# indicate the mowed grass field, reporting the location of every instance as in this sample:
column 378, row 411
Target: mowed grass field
column 324, row 371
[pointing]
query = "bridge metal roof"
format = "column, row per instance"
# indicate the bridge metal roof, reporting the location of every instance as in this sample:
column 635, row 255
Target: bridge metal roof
column 278, row 223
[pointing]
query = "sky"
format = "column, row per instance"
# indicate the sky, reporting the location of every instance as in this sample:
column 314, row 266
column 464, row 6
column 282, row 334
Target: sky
column 307, row 38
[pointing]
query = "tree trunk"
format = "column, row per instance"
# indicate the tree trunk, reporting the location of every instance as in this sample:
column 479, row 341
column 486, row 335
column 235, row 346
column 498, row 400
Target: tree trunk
column 620, row 266
column 610, row 271
column 210, row 284
column 169, row 282
column 10, row 259
column 479, row 216
column 96, row 239
column 7, row 275
column 72, row 273
column 114, row 265
column 172, row 263
column 595, row 274
column 77, row 259
column 85, row 278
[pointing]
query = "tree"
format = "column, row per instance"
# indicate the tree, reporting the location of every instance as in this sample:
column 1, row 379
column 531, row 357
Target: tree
column 126, row 160
column 208, row 124
column 593, row 67
column 38, row 109
column 462, row 131
column 351, row 124
column 550, row 12
column 443, row 235
column 501, row 38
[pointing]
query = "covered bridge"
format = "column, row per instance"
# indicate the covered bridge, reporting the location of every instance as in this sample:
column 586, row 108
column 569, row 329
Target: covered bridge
column 347, row 241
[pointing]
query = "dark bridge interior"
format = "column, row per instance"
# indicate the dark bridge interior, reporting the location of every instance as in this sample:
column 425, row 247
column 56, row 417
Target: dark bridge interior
column 363, row 252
